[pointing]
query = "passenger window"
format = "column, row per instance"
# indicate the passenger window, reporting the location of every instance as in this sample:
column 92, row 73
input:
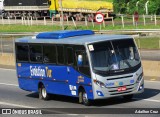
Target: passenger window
column 49, row 54
column 84, row 59
column 35, row 53
column 60, row 54
column 83, row 63
column 70, row 59
column 22, row 52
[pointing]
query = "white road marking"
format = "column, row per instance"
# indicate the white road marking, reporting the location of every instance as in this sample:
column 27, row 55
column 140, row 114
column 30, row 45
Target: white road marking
column 5, row 45
column 73, row 114
column 7, row 69
column 152, row 81
column 9, row 84
column 150, row 100
column 16, row 105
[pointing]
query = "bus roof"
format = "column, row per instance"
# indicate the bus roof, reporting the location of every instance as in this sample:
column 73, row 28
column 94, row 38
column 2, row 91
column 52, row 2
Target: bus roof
column 75, row 39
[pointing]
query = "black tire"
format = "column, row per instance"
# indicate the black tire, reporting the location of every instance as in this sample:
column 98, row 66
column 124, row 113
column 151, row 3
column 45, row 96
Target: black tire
column 43, row 93
column 84, row 98
column 128, row 97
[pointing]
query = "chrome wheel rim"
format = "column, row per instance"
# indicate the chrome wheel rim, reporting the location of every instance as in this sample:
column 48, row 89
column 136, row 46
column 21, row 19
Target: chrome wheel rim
column 85, row 99
column 44, row 93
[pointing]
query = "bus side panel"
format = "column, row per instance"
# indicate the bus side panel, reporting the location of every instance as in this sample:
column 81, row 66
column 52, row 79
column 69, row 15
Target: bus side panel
column 62, row 80
column 26, row 82
column 58, row 83
column 65, row 83
column 77, row 79
column 28, row 85
column 85, row 82
column 53, row 77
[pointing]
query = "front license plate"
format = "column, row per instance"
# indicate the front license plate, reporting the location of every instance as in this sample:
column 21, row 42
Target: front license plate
column 121, row 88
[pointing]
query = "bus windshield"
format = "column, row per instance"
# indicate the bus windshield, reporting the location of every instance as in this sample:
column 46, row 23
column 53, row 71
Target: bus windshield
column 114, row 56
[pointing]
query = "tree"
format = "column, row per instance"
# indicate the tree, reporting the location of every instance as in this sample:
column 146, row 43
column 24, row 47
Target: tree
column 154, row 7
column 120, row 6
column 129, row 6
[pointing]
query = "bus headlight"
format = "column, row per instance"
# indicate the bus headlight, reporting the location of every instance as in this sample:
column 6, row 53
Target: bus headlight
column 99, row 83
column 139, row 78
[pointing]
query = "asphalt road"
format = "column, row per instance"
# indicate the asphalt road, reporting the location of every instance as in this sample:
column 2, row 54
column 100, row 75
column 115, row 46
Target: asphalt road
column 11, row 96
column 150, row 54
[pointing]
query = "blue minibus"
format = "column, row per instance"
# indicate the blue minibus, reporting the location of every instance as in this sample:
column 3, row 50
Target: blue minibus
column 79, row 63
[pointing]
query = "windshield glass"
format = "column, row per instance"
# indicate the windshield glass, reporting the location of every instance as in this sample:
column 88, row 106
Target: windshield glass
column 114, row 55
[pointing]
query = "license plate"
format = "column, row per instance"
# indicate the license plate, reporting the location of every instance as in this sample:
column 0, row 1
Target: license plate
column 121, row 88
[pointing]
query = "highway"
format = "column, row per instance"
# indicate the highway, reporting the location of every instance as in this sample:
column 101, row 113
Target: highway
column 150, row 54
column 11, row 96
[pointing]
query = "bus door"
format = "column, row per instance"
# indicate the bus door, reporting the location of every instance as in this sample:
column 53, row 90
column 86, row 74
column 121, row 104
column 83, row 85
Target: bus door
column 83, row 71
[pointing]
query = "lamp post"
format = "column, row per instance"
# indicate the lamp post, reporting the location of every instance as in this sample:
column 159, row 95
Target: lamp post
column 61, row 17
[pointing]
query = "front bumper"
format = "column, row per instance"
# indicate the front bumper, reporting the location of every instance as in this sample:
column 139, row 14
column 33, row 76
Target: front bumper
column 135, row 88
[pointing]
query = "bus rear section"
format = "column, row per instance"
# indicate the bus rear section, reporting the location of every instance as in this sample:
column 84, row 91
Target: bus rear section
column 79, row 64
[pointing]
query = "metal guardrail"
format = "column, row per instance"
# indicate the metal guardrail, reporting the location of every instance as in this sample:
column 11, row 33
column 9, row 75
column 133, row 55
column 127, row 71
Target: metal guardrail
column 128, row 31
column 19, row 34
column 140, row 16
column 96, row 31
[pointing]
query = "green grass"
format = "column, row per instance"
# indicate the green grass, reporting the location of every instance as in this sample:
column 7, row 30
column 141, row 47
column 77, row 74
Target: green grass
column 148, row 43
column 43, row 28
column 24, row 28
column 145, row 43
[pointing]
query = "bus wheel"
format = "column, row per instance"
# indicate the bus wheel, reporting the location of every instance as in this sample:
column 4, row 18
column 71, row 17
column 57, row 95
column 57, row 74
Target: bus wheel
column 128, row 97
column 85, row 99
column 43, row 93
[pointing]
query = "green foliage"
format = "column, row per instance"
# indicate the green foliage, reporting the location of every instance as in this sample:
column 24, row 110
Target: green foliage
column 154, row 7
column 129, row 6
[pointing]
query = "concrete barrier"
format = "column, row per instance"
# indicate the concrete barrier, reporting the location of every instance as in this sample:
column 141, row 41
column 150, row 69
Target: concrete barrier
column 7, row 59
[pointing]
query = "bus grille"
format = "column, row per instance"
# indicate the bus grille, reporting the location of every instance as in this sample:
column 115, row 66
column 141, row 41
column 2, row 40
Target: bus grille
column 120, row 77
column 114, row 90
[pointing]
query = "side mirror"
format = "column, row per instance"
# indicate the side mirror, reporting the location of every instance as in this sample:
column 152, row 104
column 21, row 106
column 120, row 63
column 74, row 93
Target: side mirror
column 80, row 60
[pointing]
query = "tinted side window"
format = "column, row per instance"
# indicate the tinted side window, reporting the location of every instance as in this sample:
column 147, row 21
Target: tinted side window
column 70, row 59
column 85, row 69
column 49, row 54
column 60, row 54
column 35, row 53
column 22, row 52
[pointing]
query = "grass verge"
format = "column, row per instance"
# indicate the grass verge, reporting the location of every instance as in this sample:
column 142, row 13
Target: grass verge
column 43, row 28
column 143, row 43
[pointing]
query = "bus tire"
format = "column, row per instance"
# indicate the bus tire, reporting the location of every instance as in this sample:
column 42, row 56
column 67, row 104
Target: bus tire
column 43, row 93
column 84, row 98
column 128, row 97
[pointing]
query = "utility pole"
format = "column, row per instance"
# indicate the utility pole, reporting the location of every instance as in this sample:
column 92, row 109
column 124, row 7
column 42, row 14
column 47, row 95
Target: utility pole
column 62, row 19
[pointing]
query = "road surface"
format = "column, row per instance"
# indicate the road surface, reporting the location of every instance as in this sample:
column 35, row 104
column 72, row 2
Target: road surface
column 11, row 96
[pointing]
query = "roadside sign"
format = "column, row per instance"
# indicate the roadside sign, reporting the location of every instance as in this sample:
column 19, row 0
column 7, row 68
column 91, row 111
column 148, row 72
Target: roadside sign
column 99, row 18
column 136, row 16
